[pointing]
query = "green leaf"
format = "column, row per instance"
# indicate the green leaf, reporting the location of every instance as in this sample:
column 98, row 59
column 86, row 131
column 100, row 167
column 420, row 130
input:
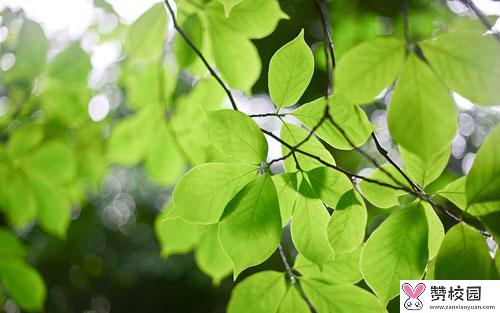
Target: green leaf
column 227, row 46
column 365, row 70
column 328, row 298
column 147, row 35
column 425, row 170
column 131, row 138
column 286, row 188
column 55, row 161
column 488, row 212
column 54, row 209
column 344, row 269
column 250, row 229
column 71, row 66
column 329, row 184
column 382, row 196
column 397, row 249
column 23, row 284
column 228, row 5
column 309, row 227
column 463, row 255
column 210, row 257
column 483, row 180
column 20, row 210
column 468, row 62
column 24, row 139
column 261, row 292
column 192, row 27
column 346, row 229
column 31, row 54
column 421, row 116
column 253, row 19
column 436, row 230
column 237, row 136
column 10, row 247
column 176, row 236
column 165, row 164
column 202, row 193
column 290, row 71
column 293, row 302
column 350, row 118
column 64, row 101
column 294, row 135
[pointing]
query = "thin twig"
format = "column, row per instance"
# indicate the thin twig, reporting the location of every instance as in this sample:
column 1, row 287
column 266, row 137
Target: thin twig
column 200, row 55
column 481, row 17
column 268, row 114
column 288, row 268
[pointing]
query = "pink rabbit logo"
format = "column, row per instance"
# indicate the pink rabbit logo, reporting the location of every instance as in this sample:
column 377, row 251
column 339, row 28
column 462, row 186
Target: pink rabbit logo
column 413, row 303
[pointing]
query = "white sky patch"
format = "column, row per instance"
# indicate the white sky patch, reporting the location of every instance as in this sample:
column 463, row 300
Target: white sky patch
column 105, row 54
column 98, row 107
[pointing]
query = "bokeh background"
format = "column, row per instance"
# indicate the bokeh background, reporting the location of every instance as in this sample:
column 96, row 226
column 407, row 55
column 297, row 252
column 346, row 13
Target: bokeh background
column 110, row 260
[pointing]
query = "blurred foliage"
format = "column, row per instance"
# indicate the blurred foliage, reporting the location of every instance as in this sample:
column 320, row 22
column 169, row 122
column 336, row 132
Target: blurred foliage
column 89, row 156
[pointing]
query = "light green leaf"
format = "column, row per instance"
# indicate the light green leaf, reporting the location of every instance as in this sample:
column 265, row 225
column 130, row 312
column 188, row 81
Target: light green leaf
column 64, row 101
column 344, row 269
column 328, row 298
column 425, row 170
column 147, row 35
column 237, row 136
column 31, row 54
column 165, row 164
column 350, row 118
column 294, row 135
column 309, row 227
column 346, row 229
column 365, row 70
column 54, row 209
column 24, row 139
column 227, row 46
column 382, row 196
column 23, row 284
column 55, row 161
column 463, row 255
column 468, row 62
column 253, row 19
column 421, row 116
column 250, row 229
column 131, row 138
column 193, row 28
column 261, row 292
column 290, row 71
column 293, row 302
column 330, row 185
column 228, row 5
column 202, row 193
column 488, row 212
column 176, row 236
column 436, row 230
column 210, row 257
column 71, row 66
column 20, row 210
column 397, row 249
column 10, row 247
column 483, row 180
column 286, row 185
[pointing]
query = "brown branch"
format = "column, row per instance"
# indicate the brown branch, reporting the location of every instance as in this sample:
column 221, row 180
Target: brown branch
column 201, row 56
column 288, row 268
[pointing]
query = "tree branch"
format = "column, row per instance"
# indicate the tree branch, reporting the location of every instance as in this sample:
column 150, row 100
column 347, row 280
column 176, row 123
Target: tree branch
column 288, row 268
column 200, row 55
column 481, row 17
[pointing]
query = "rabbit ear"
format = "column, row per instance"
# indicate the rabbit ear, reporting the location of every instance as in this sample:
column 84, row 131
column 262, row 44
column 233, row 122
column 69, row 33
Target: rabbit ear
column 408, row 289
column 419, row 289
